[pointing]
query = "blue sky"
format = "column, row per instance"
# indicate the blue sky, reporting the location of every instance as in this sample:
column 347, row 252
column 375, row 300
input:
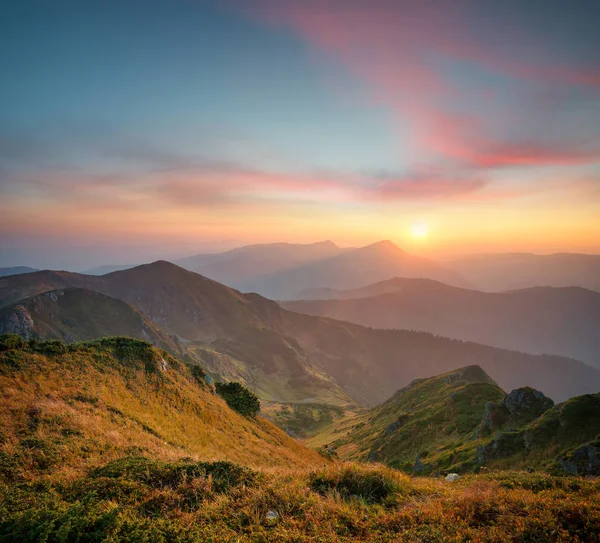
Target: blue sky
column 145, row 127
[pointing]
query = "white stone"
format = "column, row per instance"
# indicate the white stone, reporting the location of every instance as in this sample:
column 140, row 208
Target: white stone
column 451, row 477
column 272, row 515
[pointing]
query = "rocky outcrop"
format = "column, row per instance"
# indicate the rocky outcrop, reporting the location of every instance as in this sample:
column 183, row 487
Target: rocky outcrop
column 469, row 374
column 527, row 402
column 494, row 416
column 583, row 461
column 17, row 321
column 419, row 467
column 400, row 421
column 519, row 407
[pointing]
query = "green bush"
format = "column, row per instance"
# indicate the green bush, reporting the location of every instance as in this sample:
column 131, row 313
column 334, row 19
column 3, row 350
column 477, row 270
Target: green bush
column 198, row 373
column 373, row 485
column 239, row 398
column 9, row 342
column 48, row 346
column 158, row 474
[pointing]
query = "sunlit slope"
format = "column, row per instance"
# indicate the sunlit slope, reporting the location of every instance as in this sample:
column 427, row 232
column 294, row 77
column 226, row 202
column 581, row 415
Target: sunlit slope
column 65, row 409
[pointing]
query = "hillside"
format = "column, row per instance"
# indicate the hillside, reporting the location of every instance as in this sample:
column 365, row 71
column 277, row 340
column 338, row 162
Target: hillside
column 562, row 321
column 80, row 315
column 497, row 272
column 462, row 421
column 114, row 440
column 426, row 415
column 66, row 409
column 290, row 357
column 352, row 269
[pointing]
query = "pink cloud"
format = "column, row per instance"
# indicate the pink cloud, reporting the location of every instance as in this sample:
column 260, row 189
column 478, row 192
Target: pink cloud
column 399, row 49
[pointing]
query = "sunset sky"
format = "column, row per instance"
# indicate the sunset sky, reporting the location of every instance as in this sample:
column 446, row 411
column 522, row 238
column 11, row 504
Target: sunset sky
column 138, row 129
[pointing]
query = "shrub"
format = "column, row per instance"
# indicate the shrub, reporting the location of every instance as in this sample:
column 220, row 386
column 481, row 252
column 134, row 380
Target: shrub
column 158, row 474
column 372, row 484
column 9, row 342
column 239, row 398
column 198, row 374
column 48, row 346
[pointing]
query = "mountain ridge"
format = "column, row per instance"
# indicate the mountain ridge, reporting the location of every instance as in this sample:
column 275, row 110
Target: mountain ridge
column 558, row 320
column 290, row 357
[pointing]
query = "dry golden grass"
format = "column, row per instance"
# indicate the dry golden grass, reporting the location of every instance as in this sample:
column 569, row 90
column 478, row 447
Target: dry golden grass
column 90, row 408
column 95, row 446
column 340, row 503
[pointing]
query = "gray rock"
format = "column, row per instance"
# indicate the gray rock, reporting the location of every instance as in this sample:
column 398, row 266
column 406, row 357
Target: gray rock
column 419, row 467
column 528, row 401
column 451, row 477
column 19, row 322
column 583, row 461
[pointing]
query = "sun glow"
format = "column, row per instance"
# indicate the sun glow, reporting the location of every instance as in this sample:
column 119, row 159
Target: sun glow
column 419, row 230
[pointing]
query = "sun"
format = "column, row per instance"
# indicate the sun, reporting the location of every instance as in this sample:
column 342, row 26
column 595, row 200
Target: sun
column 419, row 230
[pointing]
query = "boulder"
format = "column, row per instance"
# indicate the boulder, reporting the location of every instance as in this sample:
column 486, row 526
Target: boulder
column 451, row 477
column 419, row 467
column 583, row 461
column 527, row 402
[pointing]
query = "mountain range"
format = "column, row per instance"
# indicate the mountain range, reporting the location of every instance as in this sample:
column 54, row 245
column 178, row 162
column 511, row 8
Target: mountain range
column 282, row 355
column 561, row 321
column 509, row 271
column 281, row 271
column 15, row 270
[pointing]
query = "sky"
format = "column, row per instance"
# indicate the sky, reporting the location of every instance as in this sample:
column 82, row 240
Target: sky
column 133, row 130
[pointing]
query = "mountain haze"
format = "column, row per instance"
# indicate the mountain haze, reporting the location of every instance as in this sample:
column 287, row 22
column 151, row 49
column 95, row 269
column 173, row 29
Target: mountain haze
column 244, row 267
column 16, row 270
column 497, row 272
column 352, row 269
column 562, row 321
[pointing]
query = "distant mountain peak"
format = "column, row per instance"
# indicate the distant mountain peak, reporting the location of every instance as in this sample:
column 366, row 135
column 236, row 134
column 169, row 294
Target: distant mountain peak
column 158, row 265
column 385, row 245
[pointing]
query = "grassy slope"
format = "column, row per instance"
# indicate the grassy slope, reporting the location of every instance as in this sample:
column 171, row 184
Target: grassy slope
column 438, row 419
column 101, row 443
column 65, row 412
column 425, row 416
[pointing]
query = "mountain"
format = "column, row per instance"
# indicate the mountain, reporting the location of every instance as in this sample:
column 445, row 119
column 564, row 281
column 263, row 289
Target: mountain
column 80, row 315
column 462, row 421
column 243, row 267
column 16, row 270
column 234, row 336
column 289, row 357
column 562, row 321
column 497, row 272
column 352, row 269
column 108, row 268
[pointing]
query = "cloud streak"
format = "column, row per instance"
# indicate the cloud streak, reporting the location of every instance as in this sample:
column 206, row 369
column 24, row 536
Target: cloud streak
column 427, row 63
